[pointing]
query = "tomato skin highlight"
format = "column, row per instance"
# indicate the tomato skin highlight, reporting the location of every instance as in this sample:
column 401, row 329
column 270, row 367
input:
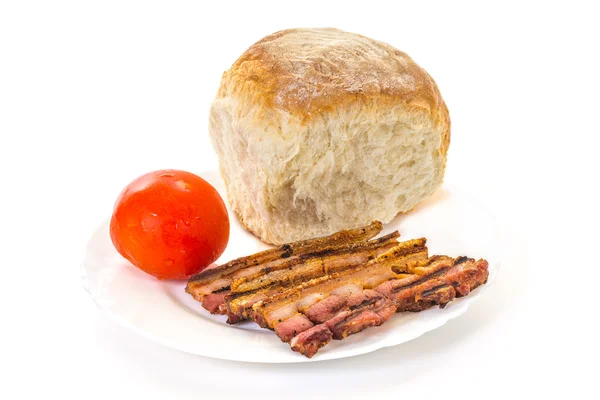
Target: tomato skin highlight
column 170, row 224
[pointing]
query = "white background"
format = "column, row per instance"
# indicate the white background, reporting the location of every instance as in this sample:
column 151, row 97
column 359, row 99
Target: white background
column 93, row 94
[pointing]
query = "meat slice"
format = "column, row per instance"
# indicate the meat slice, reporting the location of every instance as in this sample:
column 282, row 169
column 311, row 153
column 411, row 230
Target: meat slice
column 350, row 322
column 232, row 319
column 342, row 283
column 343, row 316
column 367, row 308
column 321, row 262
column 467, row 274
column 248, row 292
column 346, row 309
column 197, row 284
column 224, row 282
column 420, row 296
column 340, row 297
column 293, row 326
column 291, row 272
column 213, row 302
column 221, row 278
column 427, row 283
column 387, row 311
column 406, row 290
column 437, row 283
column 325, row 309
column 363, row 299
column 239, row 305
column 438, row 295
column 310, row 341
column 313, row 291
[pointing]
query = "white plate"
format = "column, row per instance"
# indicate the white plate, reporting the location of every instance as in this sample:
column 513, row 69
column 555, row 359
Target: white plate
column 161, row 311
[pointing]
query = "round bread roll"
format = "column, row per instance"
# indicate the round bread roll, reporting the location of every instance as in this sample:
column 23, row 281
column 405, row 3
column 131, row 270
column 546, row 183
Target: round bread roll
column 319, row 130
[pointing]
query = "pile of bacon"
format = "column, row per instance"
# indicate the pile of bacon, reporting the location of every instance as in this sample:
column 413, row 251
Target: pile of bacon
column 312, row 291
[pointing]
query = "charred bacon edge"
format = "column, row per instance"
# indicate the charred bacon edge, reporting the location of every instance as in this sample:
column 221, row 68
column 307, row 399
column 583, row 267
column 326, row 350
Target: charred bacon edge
column 440, row 294
column 393, row 257
column 287, row 250
column 328, row 252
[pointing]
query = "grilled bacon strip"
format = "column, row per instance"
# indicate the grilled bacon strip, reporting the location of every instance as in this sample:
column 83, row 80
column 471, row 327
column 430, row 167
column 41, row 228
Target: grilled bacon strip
column 435, row 281
column 285, row 304
column 220, row 278
column 311, row 340
column 313, row 291
column 292, row 272
column 326, row 261
column 239, row 304
column 366, row 308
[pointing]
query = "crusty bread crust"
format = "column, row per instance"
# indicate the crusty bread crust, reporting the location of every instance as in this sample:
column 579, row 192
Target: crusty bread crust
column 310, row 71
column 299, row 88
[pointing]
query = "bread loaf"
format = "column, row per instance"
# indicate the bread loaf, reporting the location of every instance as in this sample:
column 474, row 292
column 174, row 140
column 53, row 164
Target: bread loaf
column 319, row 130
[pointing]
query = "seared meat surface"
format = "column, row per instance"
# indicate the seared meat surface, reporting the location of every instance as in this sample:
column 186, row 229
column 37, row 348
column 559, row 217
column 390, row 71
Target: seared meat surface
column 338, row 239
column 313, row 291
column 342, row 284
column 303, row 255
column 311, row 340
column 249, row 290
column 349, row 305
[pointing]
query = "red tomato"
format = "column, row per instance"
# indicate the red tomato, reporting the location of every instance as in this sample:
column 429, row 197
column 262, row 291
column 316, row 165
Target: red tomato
column 170, row 224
